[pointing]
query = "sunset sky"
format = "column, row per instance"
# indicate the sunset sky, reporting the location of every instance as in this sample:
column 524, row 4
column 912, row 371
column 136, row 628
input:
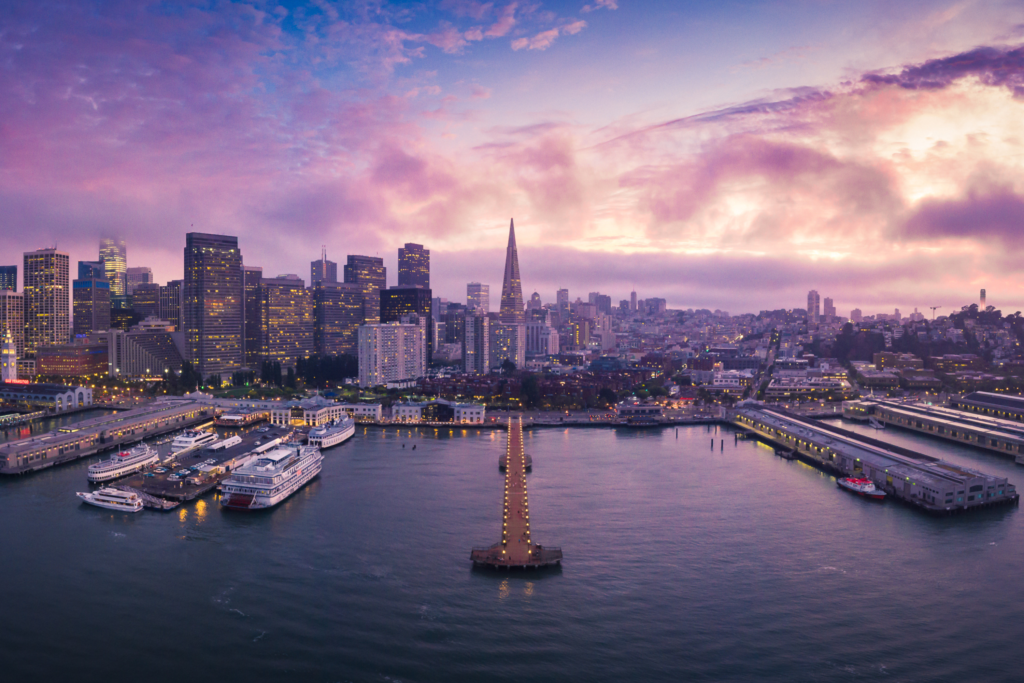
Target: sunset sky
column 718, row 154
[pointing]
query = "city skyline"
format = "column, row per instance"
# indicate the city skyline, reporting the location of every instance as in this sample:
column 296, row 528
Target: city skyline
column 913, row 143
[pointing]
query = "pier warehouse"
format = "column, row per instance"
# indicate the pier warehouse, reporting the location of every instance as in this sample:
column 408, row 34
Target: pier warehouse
column 54, row 397
column 993, row 405
column 926, row 482
column 92, row 436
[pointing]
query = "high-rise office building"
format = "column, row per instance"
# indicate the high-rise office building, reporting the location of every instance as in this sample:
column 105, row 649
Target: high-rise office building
column 562, row 303
column 337, row 315
column 478, row 297
column 397, row 302
column 114, row 256
column 251, row 278
column 476, row 358
column 212, row 303
column 286, row 321
column 9, row 278
column 170, row 303
column 453, row 321
column 813, row 306
column 322, row 270
column 511, row 286
column 140, row 275
column 413, row 266
column 370, row 274
column 47, row 293
column 91, row 299
column 632, row 301
column 391, row 352
column 12, row 318
column 146, row 299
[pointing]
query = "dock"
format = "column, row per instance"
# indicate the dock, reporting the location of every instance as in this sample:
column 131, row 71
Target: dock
column 516, row 550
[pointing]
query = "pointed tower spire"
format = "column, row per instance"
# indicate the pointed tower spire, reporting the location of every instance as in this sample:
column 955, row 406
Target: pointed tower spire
column 512, row 287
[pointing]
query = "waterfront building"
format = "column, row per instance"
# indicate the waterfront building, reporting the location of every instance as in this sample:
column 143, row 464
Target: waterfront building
column 12, row 318
column 72, row 360
column 476, row 343
column 337, row 315
column 310, row 412
column 47, row 295
column 8, row 358
column 322, row 270
column 170, row 303
column 398, row 302
column 286, row 321
column 391, row 352
column 140, row 275
column 212, row 303
column 813, row 307
column 54, row 397
column 90, row 301
column 9, row 278
column 413, row 266
column 252, row 276
column 146, row 299
column 370, row 274
column 478, row 297
column 114, row 256
column 438, row 410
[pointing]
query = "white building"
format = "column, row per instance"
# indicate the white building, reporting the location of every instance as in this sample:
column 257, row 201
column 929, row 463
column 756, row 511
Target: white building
column 460, row 413
column 541, row 340
column 476, row 344
column 391, row 352
column 311, row 412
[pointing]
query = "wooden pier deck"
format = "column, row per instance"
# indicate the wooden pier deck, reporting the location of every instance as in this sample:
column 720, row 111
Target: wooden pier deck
column 516, row 549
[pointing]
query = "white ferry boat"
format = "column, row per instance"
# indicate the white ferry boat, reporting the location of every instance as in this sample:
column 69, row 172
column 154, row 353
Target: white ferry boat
column 112, row 499
column 190, row 440
column 862, row 487
column 123, row 463
column 333, row 433
column 271, row 477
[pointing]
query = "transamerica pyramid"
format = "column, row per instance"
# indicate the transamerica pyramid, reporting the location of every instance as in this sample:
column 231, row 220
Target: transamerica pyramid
column 512, row 288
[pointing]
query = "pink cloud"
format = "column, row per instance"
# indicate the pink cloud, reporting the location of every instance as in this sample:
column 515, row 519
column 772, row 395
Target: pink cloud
column 505, row 21
column 606, row 4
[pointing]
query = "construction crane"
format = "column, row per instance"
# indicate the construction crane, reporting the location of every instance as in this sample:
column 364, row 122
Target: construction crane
column 933, row 311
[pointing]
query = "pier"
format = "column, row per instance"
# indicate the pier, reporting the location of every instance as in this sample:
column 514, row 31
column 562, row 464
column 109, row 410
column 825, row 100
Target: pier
column 516, row 549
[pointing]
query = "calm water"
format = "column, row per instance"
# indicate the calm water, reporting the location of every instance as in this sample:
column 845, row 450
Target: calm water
column 681, row 563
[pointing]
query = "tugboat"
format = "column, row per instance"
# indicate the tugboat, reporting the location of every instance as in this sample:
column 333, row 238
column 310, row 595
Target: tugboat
column 862, row 487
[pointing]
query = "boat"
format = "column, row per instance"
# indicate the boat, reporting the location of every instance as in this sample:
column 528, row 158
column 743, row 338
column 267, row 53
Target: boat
column 123, row 463
column 861, row 486
column 332, row 434
column 875, row 423
column 269, row 478
column 190, row 440
column 112, row 499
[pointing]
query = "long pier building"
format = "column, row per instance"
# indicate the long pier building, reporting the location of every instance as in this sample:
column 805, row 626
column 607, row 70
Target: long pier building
column 1000, row 406
column 89, row 437
column 928, row 483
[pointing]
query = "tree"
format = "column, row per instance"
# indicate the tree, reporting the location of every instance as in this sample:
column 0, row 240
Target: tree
column 290, row 381
column 507, row 367
column 608, row 396
column 530, row 391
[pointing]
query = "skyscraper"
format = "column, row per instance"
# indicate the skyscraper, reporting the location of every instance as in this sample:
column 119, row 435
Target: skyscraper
column 114, row 256
column 146, row 299
column 390, row 352
column 397, row 302
column 141, row 275
column 413, row 266
column 632, row 301
column 562, row 304
column 251, row 278
column 212, row 302
column 286, row 321
column 337, row 315
column 91, row 299
column 478, row 297
column 170, row 303
column 9, row 278
column 12, row 318
column 813, row 306
column 476, row 359
column 323, row 270
column 370, row 274
column 47, row 293
column 829, row 310
column 511, row 286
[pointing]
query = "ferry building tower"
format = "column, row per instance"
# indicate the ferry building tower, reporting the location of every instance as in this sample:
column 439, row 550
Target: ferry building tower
column 8, row 359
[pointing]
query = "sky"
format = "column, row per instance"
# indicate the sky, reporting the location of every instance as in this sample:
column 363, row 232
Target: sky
column 726, row 155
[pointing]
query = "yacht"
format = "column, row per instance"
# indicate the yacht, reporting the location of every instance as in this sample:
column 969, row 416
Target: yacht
column 112, row 499
column 123, row 463
column 333, row 433
column 190, row 440
column 270, row 477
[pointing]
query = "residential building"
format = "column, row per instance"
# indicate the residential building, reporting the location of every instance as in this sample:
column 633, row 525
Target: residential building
column 286, row 321
column 9, row 278
column 370, row 274
column 478, row 297
column 562, row 303
column 541, row 339
column 150, row 349
column 140, row 275
column 397, row 302
column 507, row 342
column 323, row 270
column 170, row 303
column 212, row 303
column 114, row 256
column 829, row 311
column 47, row 296
column 413, row 266
column 813, row 307
column 391, row 352
column 476, row 357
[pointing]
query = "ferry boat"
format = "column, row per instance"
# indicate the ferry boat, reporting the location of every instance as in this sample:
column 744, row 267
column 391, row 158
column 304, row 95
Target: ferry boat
column 123, row 463
column 862, row 487
column 332, row 434
column 271, row 477
column 190, row 440
column 112, row 499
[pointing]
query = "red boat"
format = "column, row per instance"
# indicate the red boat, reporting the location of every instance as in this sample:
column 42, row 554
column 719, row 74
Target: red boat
column 862, row 487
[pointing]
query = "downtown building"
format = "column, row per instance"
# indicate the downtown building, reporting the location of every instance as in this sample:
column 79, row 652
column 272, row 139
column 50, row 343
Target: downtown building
column 114, row 256
column 212, row 303
column 170, row 303
column 322, row 270
column 398, row 303
column 413, row 266
column 252, row 276
column 476, row 343
column 370, row 274
column 391, row 352
column 141, row 275
column 286, row 321
column 150, row 349
column 47, row 296
column 9, row 278
column 337, row 315
column 478, row 297
column 146, row 300
column 813, row 306
column 90, row 299
column 508, row 336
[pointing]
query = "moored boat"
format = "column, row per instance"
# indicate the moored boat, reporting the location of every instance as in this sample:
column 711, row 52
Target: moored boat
column 861, row 486
column 112, row 499
column 332, row 434
column 123, row 463
column 269, row 478
column 191, row 439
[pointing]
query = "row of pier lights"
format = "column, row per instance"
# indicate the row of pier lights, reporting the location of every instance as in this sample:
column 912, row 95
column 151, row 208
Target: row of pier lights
column 521, row 473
